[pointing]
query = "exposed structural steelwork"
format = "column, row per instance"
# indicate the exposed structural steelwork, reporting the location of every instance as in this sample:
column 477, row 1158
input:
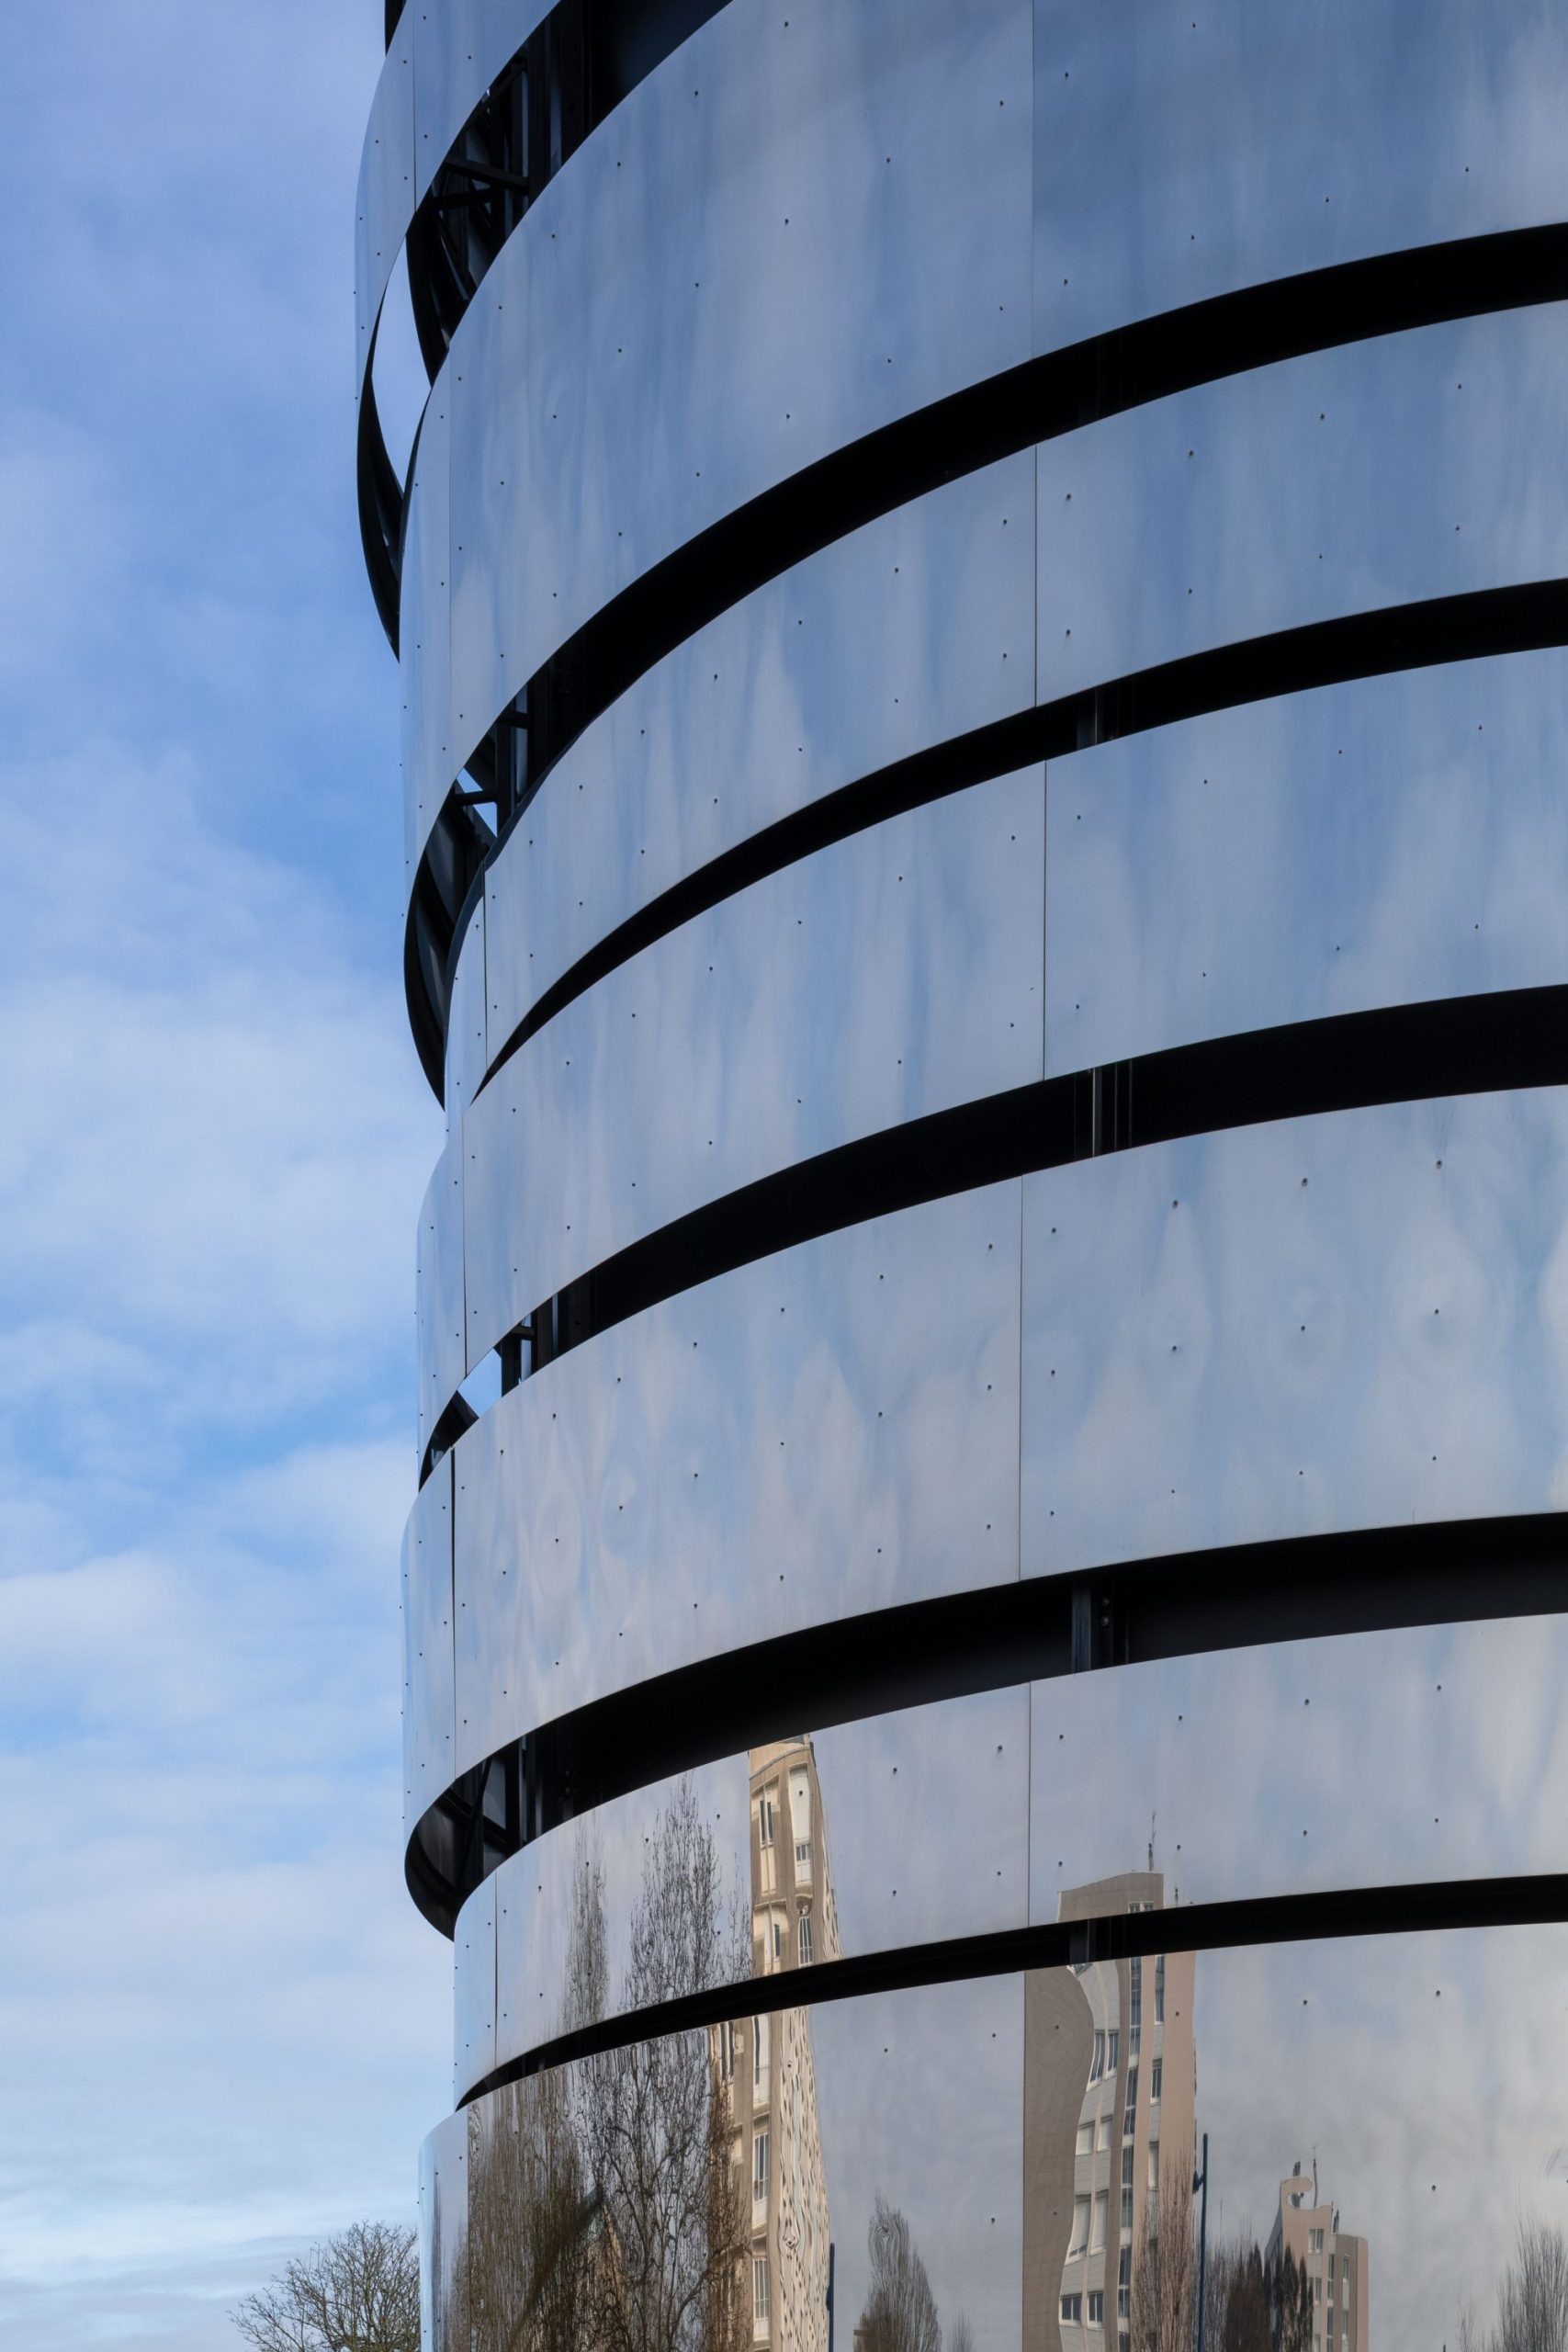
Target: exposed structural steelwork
column 982, row 604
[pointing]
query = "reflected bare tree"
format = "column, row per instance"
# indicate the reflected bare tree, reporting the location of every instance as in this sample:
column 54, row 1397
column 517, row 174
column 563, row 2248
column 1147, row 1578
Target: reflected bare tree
column 654, row 2122
column 900, row 2310
column 1165, row 2281
column 1532, row 2297
column 1289, row 2299
column 605, row 2211
column 960, row 2336
column 1235, row 2298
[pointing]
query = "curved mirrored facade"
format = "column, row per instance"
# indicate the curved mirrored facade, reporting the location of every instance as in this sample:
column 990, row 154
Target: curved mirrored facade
column 981, row 598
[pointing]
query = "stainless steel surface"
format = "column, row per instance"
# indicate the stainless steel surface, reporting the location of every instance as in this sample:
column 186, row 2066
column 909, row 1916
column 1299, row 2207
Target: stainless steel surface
column 758, row 1035
column 383, row 201
column 1383, row 472
column 769, row 707
column 429, row 759
column 444, row 2237
column 792, row 232
column 459, row 47
column 1378, row 843
column 466, row 1027
column 959, row 1771
column 779, row 1448
column 1351, row 1320
column 909, row 2102
column 692, row 1834
column 1430, row 1754
column 1182, row 152
column 427, row 1647
column 438, row 1284
column 474, row 2004
column 1395, row 2096
column 800, row 228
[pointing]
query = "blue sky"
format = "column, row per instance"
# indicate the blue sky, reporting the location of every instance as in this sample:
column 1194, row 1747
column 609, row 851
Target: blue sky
column 225, row 2028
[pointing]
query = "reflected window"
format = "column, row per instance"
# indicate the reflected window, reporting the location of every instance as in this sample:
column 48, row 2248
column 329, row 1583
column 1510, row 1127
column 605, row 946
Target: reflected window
column 1134, row 2007
column 727, row 2036
column 1097, row 2063
column 1154, row 2081
column 1104, row 2139
column 803, row 1853
column 1127, row 2187
column 1072, row 2310
column 806, row 1940
column 1079, row 2239
column 1159, row 1990
column 1086, row 2138
column 767, row 1817
column 1153, row 2167
column 759, row 2049
column 1125, row 2284
column 1113, row 2048
column 1317, row 2290
column 759, row 2168
column 778, row 1941
column 1101, row 2211
column 760, row 2307
column 1097, row 2307
column 1131, row 2116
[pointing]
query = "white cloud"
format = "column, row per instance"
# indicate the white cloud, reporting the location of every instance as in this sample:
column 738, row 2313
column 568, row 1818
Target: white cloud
column 225, row 2026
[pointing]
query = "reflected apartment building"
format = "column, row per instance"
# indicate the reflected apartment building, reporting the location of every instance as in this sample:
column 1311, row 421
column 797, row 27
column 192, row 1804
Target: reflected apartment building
column 1306, row 2227
column 1111, row 2082
column 766, row 2062
column 982, row 630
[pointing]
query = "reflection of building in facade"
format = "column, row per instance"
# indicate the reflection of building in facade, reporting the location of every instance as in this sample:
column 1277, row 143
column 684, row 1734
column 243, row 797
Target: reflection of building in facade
column 978, row 606
column 1109, row 2097
column 768, row 2061
column 1335, row 2262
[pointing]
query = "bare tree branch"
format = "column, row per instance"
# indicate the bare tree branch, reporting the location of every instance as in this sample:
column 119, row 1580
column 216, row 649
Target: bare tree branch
column 354, row 2292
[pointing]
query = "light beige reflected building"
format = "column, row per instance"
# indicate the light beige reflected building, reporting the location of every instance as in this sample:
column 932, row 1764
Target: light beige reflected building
column 1307, row 2227
column 766, row 2062
column 1111, row 2086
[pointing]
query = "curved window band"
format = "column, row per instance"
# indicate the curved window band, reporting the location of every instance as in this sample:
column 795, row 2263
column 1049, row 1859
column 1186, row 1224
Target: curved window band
column 572, row 71
column 1485, row 1044
column 1033, row 1628
column 1039, row 400
column 1534, row 1900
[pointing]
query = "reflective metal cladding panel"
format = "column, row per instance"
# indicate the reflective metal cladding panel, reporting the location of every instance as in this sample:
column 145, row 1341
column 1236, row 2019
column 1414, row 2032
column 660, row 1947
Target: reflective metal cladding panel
column 776, row 1448
column 1181, row 152
column 758, row 1036
column 1381, row 473
column 1366, row 2101
column 915, row 629
column 991, row 1363
column 1378, row 843
column 1352, row 1320
column 795, row 229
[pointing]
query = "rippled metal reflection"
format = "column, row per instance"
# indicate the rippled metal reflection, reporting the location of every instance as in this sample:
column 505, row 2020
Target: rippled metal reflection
column 1017, row 2161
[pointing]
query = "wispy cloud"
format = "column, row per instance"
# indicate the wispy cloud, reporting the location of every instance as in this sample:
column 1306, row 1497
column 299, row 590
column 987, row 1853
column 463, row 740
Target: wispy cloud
column 225, row 2027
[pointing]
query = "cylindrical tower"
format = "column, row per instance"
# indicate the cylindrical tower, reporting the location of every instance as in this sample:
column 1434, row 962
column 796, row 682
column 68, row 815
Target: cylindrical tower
column 979, row 598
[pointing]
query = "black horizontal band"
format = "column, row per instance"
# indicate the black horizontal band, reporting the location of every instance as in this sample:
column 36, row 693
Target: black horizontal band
column 1474, row 627
column 1030, row 1629
column 1338, row 1915
column 1037, row 401
column 1484, row 1044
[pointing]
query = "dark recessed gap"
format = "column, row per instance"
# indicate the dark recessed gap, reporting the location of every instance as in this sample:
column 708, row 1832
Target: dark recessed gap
column 1340, row 1913
column 1466, row 1044
column 1192, row 1603
column 1033, row 401
column 1452, row 628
